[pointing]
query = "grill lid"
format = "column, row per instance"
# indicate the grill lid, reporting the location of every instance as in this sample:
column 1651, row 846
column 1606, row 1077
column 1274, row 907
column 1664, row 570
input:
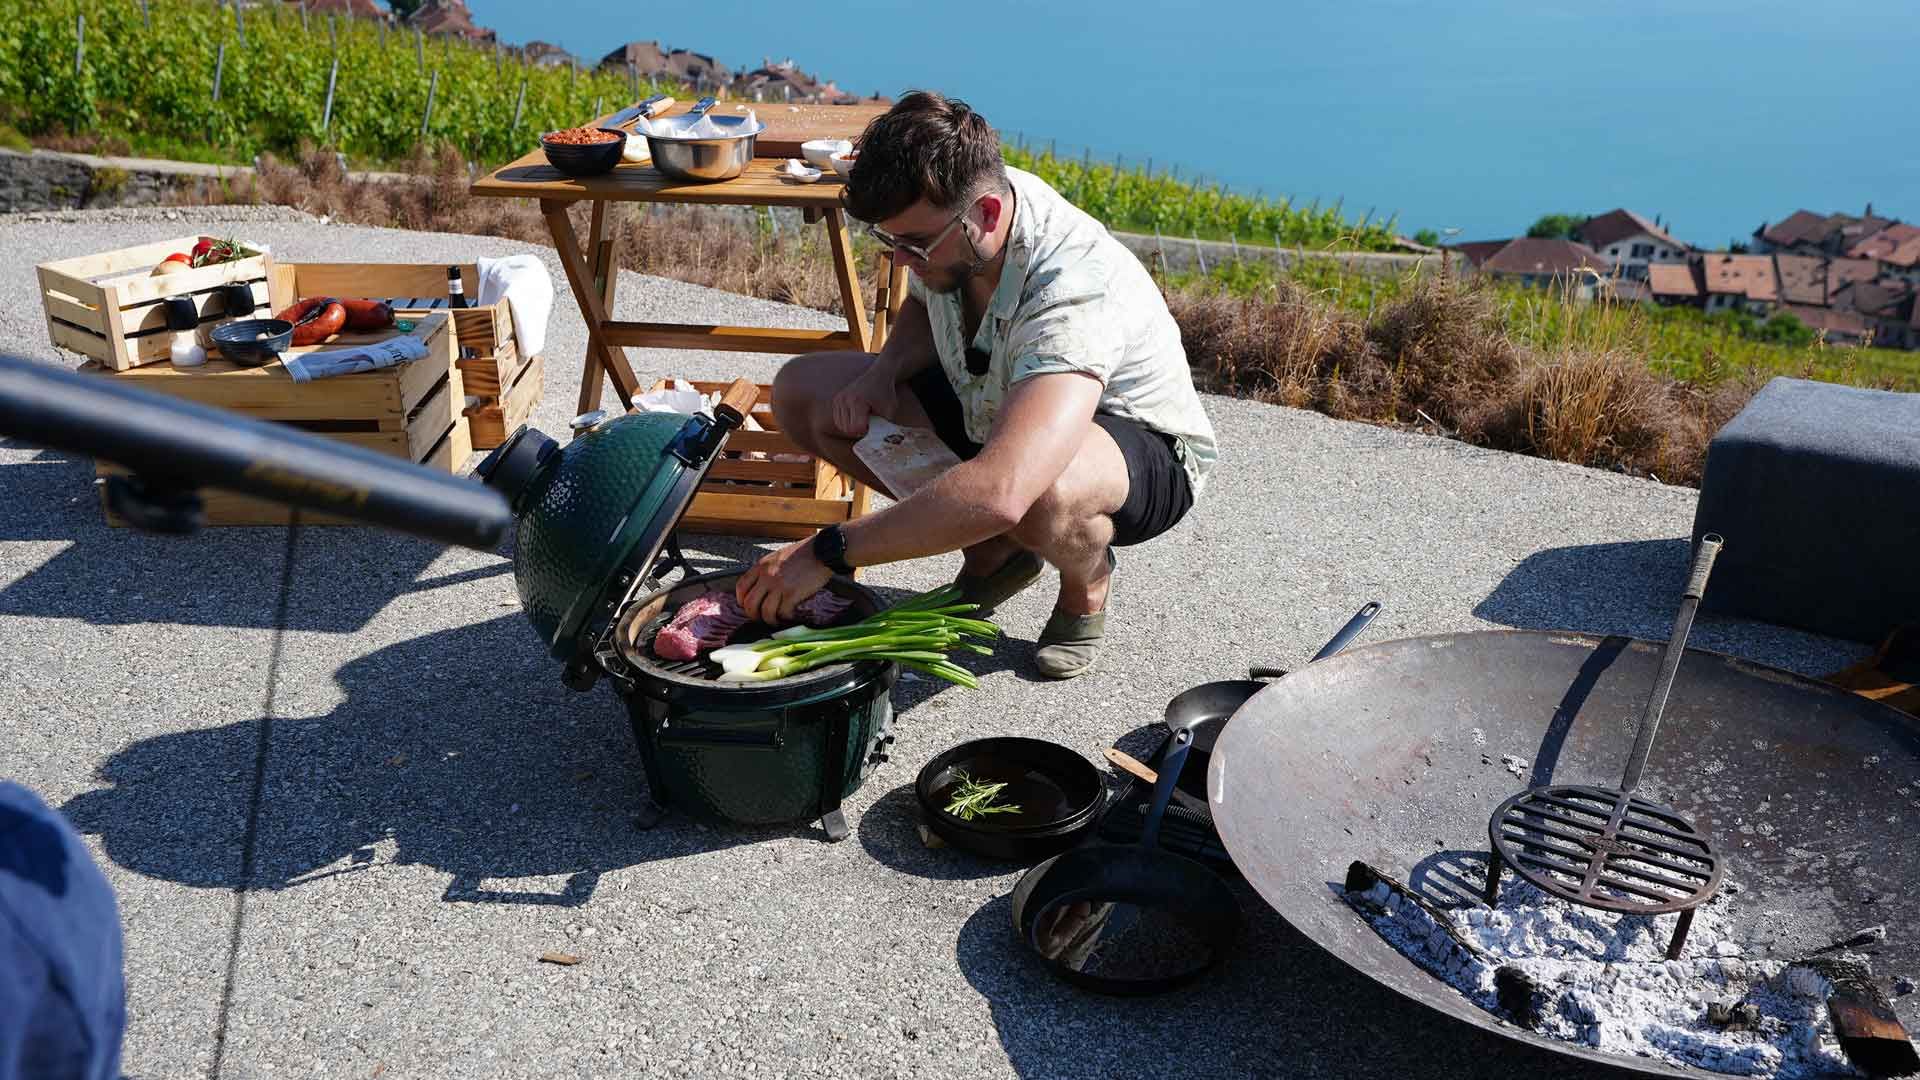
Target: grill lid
column 594, row 515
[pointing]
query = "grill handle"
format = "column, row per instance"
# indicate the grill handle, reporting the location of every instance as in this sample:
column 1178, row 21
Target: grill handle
column 736, row 403
column 1670, row 661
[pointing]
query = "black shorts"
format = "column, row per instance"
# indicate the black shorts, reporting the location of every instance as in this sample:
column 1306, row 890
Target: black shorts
column 1158, row 494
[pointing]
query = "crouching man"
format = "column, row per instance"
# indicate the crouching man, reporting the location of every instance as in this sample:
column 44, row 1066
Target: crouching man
column 1037, row 348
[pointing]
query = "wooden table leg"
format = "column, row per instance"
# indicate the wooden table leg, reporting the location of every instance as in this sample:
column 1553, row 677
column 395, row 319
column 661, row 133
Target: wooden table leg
column 593, row 309
column 606, row 270
column 882, row 308
column 849, row 275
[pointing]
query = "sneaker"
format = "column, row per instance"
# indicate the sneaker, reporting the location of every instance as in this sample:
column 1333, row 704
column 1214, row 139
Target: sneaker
column 991, row 590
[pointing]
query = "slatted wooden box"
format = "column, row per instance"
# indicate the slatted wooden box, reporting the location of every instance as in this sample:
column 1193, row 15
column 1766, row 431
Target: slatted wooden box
column 108, row 306
column 410, row 410
column 506, row 384
column 748, row 493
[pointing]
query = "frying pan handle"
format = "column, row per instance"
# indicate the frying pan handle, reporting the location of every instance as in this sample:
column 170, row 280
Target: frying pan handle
column 737, row 402
column 1171, row 763
column 1350, row 631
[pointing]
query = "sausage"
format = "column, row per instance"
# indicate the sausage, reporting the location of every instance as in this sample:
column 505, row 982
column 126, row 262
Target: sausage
column 368, row 314
column 315, row 320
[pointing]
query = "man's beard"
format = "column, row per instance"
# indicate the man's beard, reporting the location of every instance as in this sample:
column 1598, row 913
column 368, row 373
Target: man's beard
column 954, row 277
column 957, row 274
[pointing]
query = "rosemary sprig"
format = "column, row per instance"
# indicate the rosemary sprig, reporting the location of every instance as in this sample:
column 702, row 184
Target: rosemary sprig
column 972, row 798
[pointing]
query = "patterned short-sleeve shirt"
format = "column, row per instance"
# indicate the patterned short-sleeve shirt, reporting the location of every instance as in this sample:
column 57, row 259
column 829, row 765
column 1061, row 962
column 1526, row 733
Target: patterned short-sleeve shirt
column 1071, row 298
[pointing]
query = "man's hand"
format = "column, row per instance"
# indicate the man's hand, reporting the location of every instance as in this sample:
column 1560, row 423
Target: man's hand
column 778, row 582
column 873, row 393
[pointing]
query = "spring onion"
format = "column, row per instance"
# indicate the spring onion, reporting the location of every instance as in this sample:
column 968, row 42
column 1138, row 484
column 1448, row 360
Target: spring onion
column 917, row 633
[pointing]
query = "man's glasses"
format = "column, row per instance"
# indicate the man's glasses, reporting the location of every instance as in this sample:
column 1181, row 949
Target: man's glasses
column 921, row 252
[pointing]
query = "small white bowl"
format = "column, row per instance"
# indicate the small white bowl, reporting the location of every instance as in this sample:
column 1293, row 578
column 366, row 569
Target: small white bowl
column 842, row 164
column 817, row 151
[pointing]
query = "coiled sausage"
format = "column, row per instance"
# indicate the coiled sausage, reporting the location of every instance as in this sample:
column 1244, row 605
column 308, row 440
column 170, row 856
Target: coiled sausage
column 315, row 320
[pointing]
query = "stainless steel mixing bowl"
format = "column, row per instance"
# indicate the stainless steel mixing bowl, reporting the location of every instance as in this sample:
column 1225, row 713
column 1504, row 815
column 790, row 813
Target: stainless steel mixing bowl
column 708, row 159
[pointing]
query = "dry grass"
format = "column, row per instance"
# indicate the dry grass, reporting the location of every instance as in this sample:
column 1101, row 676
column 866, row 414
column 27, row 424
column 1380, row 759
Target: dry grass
column 1437, row 357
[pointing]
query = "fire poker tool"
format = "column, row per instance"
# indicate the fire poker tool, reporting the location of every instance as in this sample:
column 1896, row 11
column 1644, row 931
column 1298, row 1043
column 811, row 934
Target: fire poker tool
column 1607, row 848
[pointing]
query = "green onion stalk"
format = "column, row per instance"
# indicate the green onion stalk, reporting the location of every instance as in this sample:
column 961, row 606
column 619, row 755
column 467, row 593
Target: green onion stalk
column 917, row 634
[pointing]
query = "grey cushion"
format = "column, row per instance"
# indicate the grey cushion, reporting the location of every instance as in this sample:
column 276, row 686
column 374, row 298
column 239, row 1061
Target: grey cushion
column 1816, row 488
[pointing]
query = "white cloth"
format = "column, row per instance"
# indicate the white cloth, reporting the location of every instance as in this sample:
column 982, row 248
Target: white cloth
column 321, row 365
column 528, row 288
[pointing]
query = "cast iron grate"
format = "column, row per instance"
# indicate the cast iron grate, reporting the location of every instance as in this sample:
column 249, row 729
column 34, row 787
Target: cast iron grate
column 1607, row 849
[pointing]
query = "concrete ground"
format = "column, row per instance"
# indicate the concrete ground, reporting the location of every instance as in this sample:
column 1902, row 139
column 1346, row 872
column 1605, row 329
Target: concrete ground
column 347, row 804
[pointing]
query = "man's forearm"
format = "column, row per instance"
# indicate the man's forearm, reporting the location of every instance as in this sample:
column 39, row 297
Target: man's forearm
column 961, row 507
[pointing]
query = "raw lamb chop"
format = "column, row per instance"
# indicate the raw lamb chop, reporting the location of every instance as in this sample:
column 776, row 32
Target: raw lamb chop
column 708, row 621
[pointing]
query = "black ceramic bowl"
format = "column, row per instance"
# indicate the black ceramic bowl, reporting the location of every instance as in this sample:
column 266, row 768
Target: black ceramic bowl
column 590, row 159
column 1059, row 792
column 253, row 342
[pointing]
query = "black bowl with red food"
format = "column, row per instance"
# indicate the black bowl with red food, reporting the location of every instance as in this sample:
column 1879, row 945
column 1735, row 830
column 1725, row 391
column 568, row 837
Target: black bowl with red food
column 584, row 151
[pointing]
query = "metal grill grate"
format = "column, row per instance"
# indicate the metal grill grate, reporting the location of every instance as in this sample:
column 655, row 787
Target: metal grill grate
column 1607, row 849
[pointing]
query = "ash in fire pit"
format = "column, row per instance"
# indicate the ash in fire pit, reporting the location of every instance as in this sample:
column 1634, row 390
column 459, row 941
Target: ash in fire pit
column 1601, row 978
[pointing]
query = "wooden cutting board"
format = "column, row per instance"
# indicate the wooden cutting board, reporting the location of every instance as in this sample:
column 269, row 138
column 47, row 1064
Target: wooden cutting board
column 790, row 125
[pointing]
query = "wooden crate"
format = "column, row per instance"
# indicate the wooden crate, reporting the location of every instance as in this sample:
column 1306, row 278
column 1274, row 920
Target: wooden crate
column 506, row 384
column 108, row 306
column 411, row 410
column 758, row 496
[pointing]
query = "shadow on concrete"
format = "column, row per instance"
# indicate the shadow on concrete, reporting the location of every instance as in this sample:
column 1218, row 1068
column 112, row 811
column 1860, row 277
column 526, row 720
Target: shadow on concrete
column 1625, row 588
column 1280, row 1006
column 460, row 750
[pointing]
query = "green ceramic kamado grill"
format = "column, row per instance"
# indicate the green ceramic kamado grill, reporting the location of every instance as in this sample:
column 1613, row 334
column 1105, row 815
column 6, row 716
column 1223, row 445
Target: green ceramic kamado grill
column 594, row 541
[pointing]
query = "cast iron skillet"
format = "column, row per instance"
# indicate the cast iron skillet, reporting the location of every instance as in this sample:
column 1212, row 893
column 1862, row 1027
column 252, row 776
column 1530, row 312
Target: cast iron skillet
column 1165, row 920
column 1205, row 708
column 1062, row 793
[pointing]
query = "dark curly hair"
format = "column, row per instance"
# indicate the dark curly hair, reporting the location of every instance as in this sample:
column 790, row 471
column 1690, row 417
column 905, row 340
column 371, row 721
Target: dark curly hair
column 927, row 146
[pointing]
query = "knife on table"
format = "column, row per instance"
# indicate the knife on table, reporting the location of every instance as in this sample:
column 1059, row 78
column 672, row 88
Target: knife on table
column 658, row 103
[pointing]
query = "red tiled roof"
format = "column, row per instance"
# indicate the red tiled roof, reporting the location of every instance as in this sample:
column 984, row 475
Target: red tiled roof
column 1844, row 323
column 1799, row 227
column 449, row 17
column 1673, row 280
column 1803, row 278
column 1479, row 251
column 1750, row 276
column 1872, row 298
column 1844, row 272
column 1617, row 225
column 1544, row 255
column 1895, row 244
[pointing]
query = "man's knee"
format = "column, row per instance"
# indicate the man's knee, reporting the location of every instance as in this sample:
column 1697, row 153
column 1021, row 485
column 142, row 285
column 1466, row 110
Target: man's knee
column 1051, row 517
column 794, row 395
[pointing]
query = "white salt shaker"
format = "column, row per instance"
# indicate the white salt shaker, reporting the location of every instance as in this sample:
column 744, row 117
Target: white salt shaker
column 183, row 321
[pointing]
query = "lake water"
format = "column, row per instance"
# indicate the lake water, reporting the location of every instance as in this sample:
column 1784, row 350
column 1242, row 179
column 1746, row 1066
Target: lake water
column 1477, row 114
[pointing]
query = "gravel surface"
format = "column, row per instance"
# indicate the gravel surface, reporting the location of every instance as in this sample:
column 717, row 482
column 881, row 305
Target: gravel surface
column 436, row 811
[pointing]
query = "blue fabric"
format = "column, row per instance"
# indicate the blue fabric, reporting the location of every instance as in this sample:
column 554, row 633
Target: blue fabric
column 62, row 994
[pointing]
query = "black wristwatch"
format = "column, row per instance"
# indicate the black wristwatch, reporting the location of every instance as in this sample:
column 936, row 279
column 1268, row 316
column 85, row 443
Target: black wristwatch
column 830, row 547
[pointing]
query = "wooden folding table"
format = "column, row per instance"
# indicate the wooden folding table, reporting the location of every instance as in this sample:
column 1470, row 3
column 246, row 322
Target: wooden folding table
column 592, row 274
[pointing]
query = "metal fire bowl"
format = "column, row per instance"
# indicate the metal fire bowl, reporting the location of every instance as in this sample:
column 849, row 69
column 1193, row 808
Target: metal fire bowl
column 1392, row 753
column 713, row 159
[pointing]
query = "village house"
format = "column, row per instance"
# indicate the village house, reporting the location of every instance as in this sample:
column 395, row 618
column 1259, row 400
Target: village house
column 1743, row 282
column 1834, row 327
column 1675, row 284
column 650, row 61
column 546, row 54
column 1630, row 243
column 1806, row 233
column 449, row 17
column 1802, row 279
column 1896, row 251
column 1539, row 262
column 1887, row 305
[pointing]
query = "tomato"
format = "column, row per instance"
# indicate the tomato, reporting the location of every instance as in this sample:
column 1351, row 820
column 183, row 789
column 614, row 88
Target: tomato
column 178, row 257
